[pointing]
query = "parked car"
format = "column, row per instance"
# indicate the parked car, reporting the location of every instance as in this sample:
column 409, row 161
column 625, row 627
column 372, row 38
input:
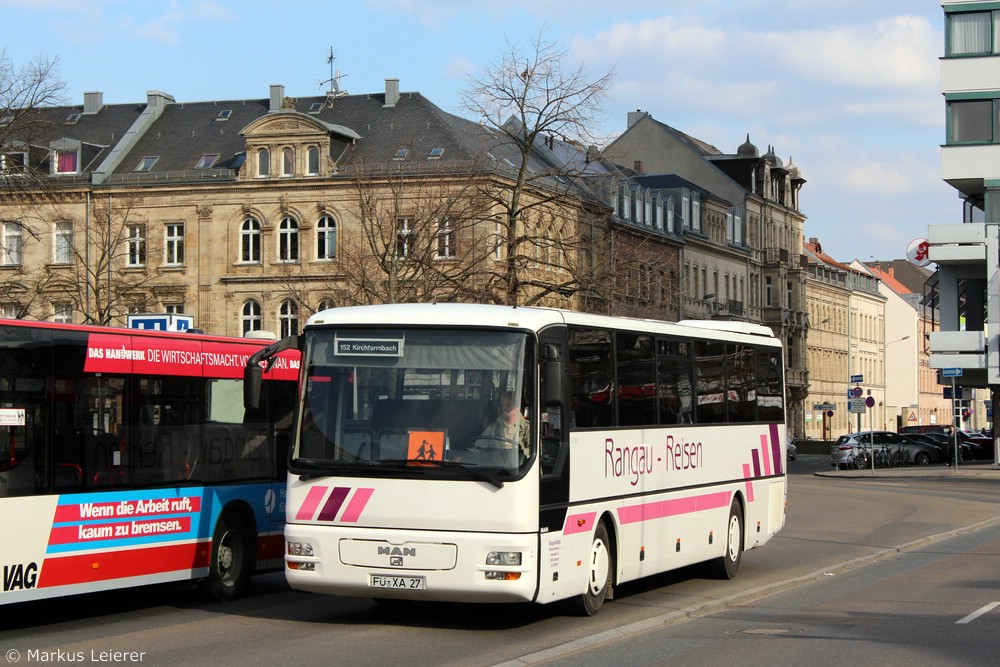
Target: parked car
column 980, row 446
column 947, row 444
column 926, row 428
column 844, row 452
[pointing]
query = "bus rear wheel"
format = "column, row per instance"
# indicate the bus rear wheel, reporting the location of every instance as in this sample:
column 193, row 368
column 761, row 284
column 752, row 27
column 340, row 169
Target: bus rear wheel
column 232, row 559
column 600, row 567
column 727, row 565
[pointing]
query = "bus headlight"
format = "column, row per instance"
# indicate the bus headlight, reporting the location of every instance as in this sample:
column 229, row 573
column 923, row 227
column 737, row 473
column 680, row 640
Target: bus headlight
column 503, row 558
column 300, row 549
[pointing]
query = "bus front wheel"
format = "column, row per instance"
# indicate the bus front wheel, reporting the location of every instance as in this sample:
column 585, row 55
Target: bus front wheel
column 232, row 559
column 598, row 575
column 727, row 565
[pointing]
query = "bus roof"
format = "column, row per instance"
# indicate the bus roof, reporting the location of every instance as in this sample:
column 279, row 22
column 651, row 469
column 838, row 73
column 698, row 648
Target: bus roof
column 532, row 318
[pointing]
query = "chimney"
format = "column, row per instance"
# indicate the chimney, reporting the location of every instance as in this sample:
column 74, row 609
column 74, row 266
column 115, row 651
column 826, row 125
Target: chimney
column 157, row 99
column 92, row 102
column 635, row 116
column 391, row 92
column 277, row 96
column 637, row 167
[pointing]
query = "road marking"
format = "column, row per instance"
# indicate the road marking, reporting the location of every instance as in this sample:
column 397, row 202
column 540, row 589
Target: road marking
column 976, row 614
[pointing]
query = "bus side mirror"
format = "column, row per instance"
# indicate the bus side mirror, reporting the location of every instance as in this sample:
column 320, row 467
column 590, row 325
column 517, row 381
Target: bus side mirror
column 553, row 370
column 252, row 376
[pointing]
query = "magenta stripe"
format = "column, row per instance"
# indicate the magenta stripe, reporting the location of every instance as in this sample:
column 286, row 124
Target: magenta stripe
column 332, row 506
column 674, row 507
column 579, row 523
column 767, row 459
column 357, row 505
column 776, row 450
column 311, row 502
column 756, row 462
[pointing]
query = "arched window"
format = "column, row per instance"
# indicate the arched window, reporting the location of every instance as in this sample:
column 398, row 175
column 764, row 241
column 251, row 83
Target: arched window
column 288, row 318
column 250, row 241
column 325, row 304
column 287, row 162
column 313, row 166
column 263, row 163
column 326, row 238
column 250, row 318
column 288, row 240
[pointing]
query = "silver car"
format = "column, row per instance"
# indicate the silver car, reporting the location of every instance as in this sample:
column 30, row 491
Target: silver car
column 845, row 452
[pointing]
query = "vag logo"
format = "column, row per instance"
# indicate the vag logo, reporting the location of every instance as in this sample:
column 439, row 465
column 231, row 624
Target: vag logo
column 20, row 576
column 396, row 551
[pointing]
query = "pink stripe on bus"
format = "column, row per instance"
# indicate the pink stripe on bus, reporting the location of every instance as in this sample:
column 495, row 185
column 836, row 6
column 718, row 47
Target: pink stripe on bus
column 357, row 505
column 311, row 502
column 579, row 523
column 675, row 507
column 749, row 478
column 767, row 459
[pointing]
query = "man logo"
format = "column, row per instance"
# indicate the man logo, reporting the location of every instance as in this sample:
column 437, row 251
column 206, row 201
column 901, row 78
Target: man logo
column 396, row 551
column 396, row 561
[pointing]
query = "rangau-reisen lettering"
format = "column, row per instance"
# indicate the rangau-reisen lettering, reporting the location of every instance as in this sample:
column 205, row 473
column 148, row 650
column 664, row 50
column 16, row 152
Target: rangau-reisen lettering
column 630, row 462
column 683, row 455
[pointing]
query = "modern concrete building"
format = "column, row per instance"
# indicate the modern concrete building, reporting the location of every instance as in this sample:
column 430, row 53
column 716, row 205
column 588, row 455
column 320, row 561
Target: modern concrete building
column 967, row 250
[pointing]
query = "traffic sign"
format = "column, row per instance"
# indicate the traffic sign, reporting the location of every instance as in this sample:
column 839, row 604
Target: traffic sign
column 951, row 372
column 857, row 378
column 856, row 392
column 824, row 406
column 856, row 405
column 870, row 401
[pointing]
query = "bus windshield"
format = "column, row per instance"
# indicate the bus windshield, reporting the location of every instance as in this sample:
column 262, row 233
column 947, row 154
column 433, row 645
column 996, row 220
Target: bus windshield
column 415, row 401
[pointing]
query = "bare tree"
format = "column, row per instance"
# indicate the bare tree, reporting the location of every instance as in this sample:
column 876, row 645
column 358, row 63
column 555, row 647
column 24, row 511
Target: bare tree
column 525, row 98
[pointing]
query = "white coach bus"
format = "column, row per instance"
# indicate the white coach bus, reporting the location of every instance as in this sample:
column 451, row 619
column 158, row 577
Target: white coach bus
column 481, row 453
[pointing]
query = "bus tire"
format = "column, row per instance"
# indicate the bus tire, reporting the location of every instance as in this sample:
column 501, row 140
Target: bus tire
column 232, row 560
column 599, row 571
column 727, row 565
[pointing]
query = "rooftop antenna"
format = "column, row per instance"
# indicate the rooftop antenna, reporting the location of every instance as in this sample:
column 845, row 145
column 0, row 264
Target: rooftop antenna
column 334, row 92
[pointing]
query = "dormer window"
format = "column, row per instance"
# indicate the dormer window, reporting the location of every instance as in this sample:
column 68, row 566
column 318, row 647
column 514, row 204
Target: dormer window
column 435, row 154
column 73, row 118
column 146, row 163
column 207, row 160
column 401, row 154
column 315, row 107
column 67, row 162
column 14, row 162
column 263, row 163
column 224, row 114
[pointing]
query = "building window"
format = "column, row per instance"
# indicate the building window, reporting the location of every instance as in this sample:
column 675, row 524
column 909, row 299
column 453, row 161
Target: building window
column 136, row 245
column 313, row 161
column 66, row 162
column 250, row 318
column 206, row 161
column 173, row 253
column 146, row 163
column 972, row 121
column 324, row 304
column 404, row 237
column 62, row 312
column 13, row 163
column 767, row 292
column 250, row 241
column 287, row 163
column 445, row 239
column 696, row 211
column 12, row 240
column 63, row 246
column 174, row 308
column 288, row 240
column 972, row 33
column 326, row 238
column 288, row 318
column 263, row 163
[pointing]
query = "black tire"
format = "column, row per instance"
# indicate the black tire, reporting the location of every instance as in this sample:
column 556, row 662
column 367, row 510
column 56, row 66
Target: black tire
column 727, row 565
column 599, row 578
column 233, row 558
column 922, row 458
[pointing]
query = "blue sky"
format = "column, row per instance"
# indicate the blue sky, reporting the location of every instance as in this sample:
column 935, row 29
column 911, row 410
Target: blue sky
column 850, row 89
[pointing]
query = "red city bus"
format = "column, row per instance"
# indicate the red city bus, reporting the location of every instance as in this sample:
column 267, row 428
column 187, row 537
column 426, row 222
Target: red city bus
column 127, row 457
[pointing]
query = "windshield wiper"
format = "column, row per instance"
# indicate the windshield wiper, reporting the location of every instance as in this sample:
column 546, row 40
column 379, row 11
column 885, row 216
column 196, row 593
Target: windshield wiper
column 471, row 470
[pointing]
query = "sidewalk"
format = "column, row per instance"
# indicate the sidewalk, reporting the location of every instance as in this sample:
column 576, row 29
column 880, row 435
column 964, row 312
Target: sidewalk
column 975, row 470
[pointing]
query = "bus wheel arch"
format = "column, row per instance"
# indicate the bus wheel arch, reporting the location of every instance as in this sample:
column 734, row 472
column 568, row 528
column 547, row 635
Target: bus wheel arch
column 601, row 570
column 727, row 565
column 233, row 555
